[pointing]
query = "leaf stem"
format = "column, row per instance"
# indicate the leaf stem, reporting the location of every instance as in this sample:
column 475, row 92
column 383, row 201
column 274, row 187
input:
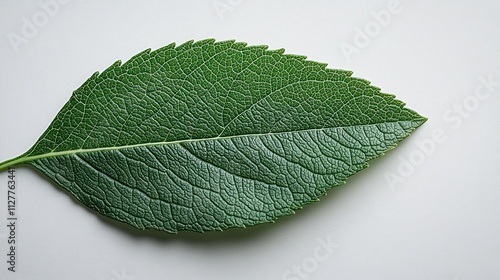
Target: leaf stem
column 6, row 164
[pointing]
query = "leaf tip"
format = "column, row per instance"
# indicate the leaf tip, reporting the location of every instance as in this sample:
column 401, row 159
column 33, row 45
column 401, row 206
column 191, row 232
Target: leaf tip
column 420, row 121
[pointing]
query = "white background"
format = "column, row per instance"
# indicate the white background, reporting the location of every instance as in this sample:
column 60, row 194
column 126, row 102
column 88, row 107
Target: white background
column 440, row 222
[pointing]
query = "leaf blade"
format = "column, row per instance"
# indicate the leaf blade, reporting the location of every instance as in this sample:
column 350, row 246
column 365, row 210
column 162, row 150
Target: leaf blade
column 223, row 110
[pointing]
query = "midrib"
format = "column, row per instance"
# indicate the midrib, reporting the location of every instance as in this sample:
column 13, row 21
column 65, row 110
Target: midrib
column 25, row 159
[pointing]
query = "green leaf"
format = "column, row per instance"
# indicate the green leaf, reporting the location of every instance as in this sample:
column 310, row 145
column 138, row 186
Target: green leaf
column 212, row 135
